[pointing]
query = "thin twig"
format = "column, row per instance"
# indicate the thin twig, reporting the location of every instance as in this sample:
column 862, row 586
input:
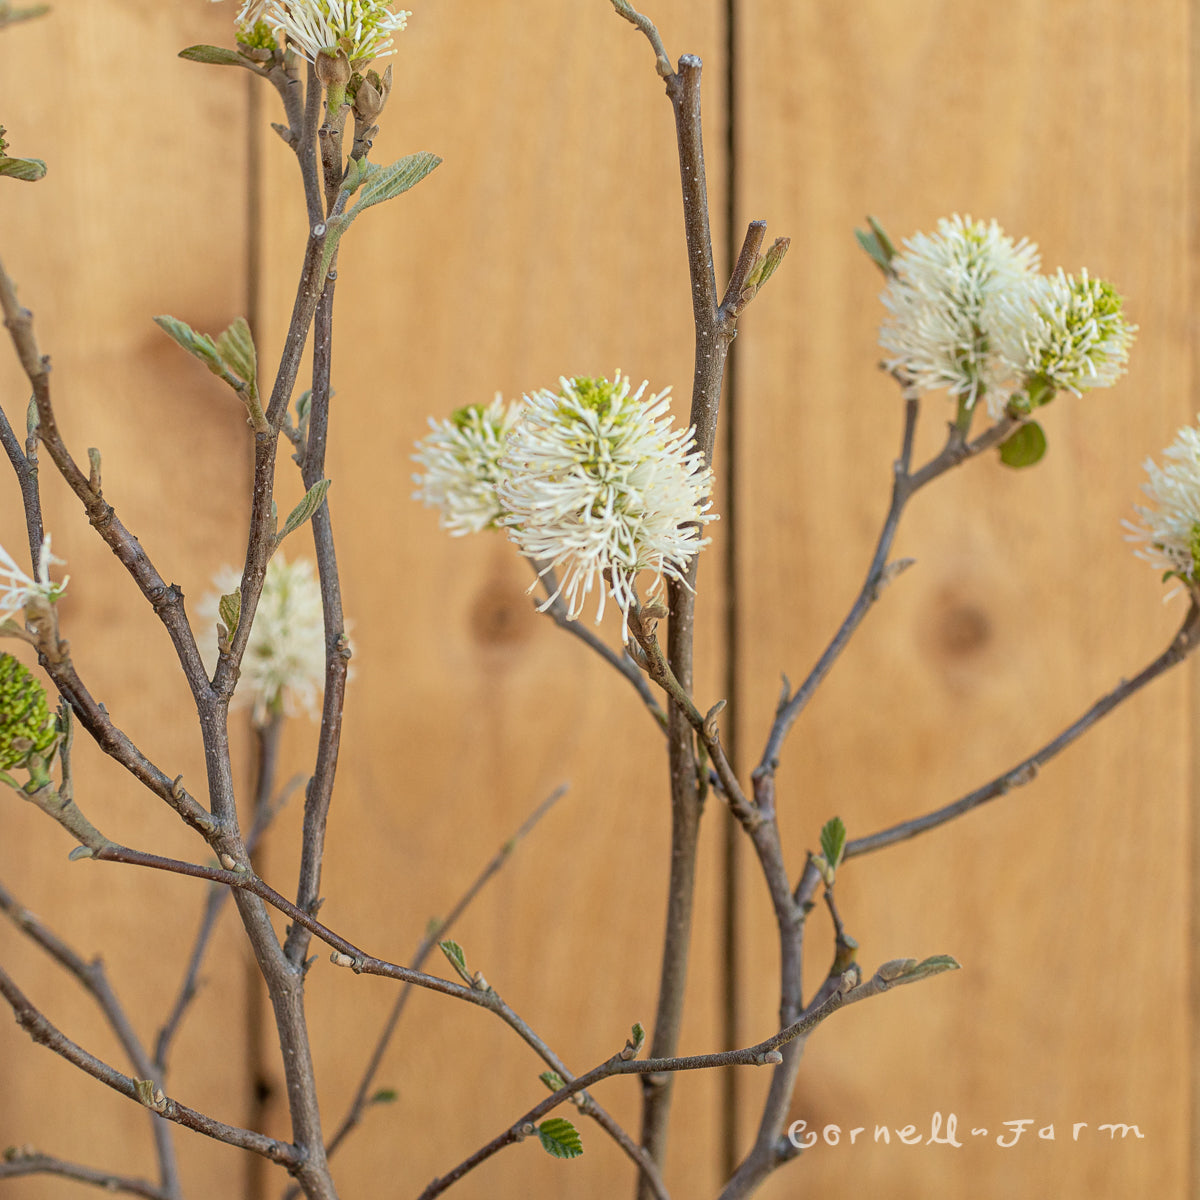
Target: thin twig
column 905, row 484
column 1181, row 646
column 27, row 477
column 21, row 1162
column 319, row 793
column 662, row 61
column 264, row 812
column 711, row 347
column 763, row 1053
column 46, row 1034
column 437, row 932
column 94, row 979
column 556, row 610
column 166, row 601
column 659, row 669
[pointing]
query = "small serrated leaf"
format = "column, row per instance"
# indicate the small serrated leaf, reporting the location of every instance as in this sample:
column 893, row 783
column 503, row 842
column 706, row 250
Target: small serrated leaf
column 217, row 55
column 28, row 170
column 313, row 500
column 384, row 1096
column 236, row 347
column 230, row 610
column 458, row 960
column 559, row 1138
column 1025, row 447
column 198, row 344
column 878, row 245
column 553, row 1080
column 908, row 970
column 385, row 183
column 380, row 184
column 833, row 841
column 934, row 965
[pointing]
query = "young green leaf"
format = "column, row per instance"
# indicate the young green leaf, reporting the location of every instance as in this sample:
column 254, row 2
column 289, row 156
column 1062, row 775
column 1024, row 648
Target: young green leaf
column 833, row 841
column 934, row 965
column 230, row 610
column 216, row 55
column 560, row 1138
column 553, row 1080
column 313, row 500
column 384, row 1096
column 236, row 347
column 878, row 245
column 385, row 183
column 198, row 344
column 1025, row 447
column 458, row 960
column 28, row 170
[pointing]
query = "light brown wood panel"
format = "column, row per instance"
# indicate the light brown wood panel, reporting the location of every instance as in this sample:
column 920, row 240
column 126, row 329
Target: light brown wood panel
column 549, row 242
column 1067, row 901
column 142, row 212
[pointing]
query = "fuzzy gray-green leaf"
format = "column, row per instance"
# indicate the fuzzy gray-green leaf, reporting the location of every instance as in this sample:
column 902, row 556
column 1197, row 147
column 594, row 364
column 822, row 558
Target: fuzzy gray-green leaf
column 217, row 55
column 313, row 500
column 385, row 183
column 236, row 348
column 29, row 170
column 198, row 344
column 878, row 245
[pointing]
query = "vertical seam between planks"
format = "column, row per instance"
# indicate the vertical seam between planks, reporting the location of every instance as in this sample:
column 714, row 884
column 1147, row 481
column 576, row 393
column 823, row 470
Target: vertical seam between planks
column 730, row 919
column 1192, row 234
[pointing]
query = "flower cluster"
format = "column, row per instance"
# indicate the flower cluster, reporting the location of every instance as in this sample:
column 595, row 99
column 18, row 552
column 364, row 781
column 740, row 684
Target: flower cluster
column 362, row 28
column 969, row 312
column 283, row 668
column 26, row 723
column 18, row 591
column 462, row 462
column 590, row 482
column 1169, row 535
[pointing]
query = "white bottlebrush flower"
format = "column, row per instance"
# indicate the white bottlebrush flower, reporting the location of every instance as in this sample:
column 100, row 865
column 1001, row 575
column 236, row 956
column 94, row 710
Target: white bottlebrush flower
column 951, row 304
column 283, row 669
column 249, row 14
column 461, row 458
column 18, row 590
column 1077, row 338
column 599, row 487
column 1169, row 534
column 362, row 28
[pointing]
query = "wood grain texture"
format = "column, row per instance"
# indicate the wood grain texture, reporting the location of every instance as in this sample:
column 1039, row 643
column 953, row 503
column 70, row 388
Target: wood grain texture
column 142, row 212
column 1067, row 901
column 550, row 242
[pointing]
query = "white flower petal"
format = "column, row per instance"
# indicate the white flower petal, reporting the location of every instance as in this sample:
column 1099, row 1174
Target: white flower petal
column 953, row 304
column 284, row 663
column 597, row 484
column 1169, row 533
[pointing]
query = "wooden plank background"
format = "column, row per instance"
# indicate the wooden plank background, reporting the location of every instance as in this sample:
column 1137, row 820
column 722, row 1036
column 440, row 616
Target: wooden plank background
column 549, row 242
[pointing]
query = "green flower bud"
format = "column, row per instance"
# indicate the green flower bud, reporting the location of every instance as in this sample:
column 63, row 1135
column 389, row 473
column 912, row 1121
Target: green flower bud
column 26, row 725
